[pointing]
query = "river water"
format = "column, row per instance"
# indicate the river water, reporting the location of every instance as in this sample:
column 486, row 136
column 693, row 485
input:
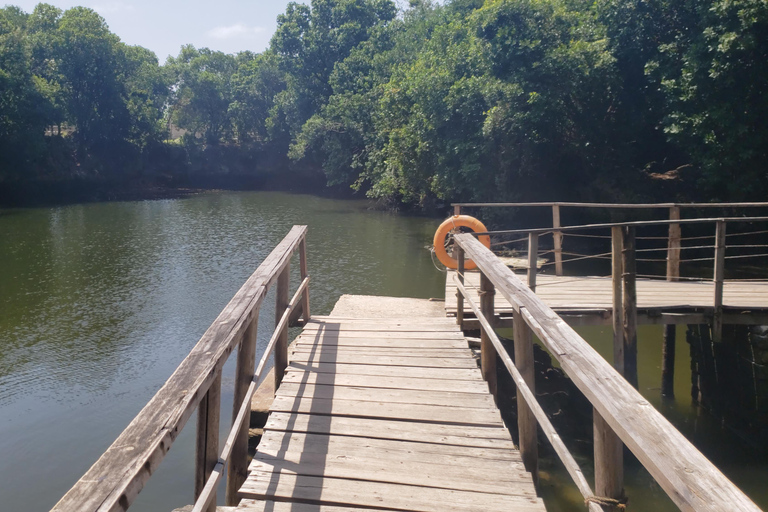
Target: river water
column 100, row 302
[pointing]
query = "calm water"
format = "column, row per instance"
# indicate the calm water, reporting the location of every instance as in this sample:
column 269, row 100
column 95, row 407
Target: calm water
column 99, row 303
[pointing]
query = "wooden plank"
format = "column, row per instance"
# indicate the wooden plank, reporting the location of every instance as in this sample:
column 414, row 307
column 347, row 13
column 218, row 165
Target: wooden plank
column 365, row 394
column 281, row 303
column 375, row 359
column 285, row 506
column 387, row 371
column 338, row 491
column 419, row 432
column 683, row 472
column 386, row 342
column 371, row 326
column 429, row 335
column 399, row 411
column 461, row 386
column 346, row 350
column 609, row 460
column 487, row 352
column 526, row 421
column 207, row 438
column 114, row 481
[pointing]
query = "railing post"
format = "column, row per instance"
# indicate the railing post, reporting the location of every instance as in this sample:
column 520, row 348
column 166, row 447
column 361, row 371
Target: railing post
column 533, row 259
column 630, row 306
column 617, row 245
column 237, row 469
column 281, row 346
column 717, row 317
column 207, row 445
column 304, row 274
column 609, row 461
column 457, row 210
column 673, row 273
column 487, row 352
column 460, row 274
column 557, row 236
column 526, row 421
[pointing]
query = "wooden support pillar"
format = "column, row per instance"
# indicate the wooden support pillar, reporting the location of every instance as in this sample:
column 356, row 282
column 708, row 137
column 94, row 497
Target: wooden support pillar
column 237, row 469
column 617, row 243
column 609, row 461
column 459, row 296
column 207, row 445
column 526, row 421
column 304, row 273
column 457, row 210
column 281, row 346
column 557, row 236
column 673, row 274
column 533, row 259
column 487, row 352
column 717, row 318
column 630, row 305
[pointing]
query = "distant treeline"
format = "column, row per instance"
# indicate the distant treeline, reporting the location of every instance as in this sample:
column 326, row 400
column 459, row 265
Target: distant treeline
column 499, row 100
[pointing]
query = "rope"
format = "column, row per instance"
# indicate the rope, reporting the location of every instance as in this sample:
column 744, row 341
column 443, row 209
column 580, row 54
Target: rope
column 510, row 242
column 652, row 259
column 679, row 278
column 746, row 256
column 606, row 502
column 747, row 233
column 586, row 236
column 432, row 253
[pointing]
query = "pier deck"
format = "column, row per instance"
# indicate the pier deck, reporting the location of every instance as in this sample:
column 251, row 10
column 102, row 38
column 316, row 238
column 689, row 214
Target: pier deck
column 385, row 413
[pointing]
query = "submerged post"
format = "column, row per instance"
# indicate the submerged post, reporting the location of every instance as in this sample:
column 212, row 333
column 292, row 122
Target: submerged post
column 617, row 245
column 207, row 445
column 281, row 346
column 673, row 273
column 533, row 259
column 526, row 421
column 609, row 461
column 460, row 274
column 487, row 352
column 557, row 236
column 717, row 317
column 630, row 305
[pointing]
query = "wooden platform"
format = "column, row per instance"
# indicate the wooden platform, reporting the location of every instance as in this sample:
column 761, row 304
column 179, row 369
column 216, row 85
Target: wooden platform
column 569, row 295
column 385, row 414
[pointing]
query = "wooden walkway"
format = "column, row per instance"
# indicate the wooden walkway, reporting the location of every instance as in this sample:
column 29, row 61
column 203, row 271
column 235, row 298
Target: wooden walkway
column 385, row 414
column 570, row 294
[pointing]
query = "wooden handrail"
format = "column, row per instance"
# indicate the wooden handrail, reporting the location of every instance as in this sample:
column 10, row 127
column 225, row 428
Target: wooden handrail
column 691, row 481
column 117, row 477
column 550, row 204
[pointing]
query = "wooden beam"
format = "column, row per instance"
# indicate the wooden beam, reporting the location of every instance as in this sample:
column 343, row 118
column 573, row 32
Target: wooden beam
column 526, row 421
column 629, row 305
column 673, row 245
column 719, row 274
column 609, row 461
column 533, row 257
column 459, row 297
column 617, row 272
column 304, row 273
column 670, row 333
column 688, row 478
column 207, row 445
column 487, row 352
column 557, row 237
column 281, row 347
column 114, row 481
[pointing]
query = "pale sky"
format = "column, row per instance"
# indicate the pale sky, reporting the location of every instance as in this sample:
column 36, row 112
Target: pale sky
column 164, row 26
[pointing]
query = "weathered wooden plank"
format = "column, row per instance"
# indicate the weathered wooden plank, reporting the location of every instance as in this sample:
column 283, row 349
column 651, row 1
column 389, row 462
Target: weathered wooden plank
column 459, row 386
column 399, row 411
column 386, row 371
column 363, row 342
column 383, row 333
column 114, row 481
column 285, row 506
column 337, row 392
column 375, row 359
column 441, row 352
column 361, row 493
column 463, row 435
column 683, row 472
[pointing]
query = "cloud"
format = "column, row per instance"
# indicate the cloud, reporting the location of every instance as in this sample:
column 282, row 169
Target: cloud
column 110, row 7
column 236, row 31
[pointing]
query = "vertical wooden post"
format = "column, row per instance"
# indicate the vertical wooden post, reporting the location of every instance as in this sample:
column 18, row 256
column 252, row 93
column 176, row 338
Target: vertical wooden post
column 609, row 460
column 630, row 306
column 557, row 236
column 526, row 421
column 717, row 318
column 487, row 352
column 207, row 445
column 673, row 273
column 533, row 259
column 304, row 273
column 457, row 210
column 459, row 296
column 237, row 468
column 281, row 346
column 617, row 246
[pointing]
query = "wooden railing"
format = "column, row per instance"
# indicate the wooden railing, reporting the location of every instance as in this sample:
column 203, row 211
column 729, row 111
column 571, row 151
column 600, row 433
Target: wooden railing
column 621, row 416
column 673, row 237
column 115, row 480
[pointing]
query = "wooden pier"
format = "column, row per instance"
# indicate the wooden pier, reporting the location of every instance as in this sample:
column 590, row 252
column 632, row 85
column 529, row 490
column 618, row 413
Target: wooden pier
column 396, row 412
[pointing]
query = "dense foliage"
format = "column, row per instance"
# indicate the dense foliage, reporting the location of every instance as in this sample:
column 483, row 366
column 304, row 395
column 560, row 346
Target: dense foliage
column 471, row 100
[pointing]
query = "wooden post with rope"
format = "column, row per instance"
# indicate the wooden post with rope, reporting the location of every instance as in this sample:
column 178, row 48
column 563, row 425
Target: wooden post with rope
column 459, row 296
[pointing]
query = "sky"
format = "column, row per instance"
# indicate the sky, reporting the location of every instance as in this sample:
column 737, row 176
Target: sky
column 163, row 26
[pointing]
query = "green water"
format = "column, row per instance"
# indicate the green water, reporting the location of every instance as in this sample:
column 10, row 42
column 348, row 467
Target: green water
column 99, row 303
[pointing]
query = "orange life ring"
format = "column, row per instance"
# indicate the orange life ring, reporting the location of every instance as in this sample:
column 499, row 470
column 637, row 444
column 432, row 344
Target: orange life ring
column 451, row 223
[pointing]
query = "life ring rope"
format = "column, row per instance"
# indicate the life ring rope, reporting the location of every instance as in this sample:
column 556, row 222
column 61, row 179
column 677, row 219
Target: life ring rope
column 454, row 223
